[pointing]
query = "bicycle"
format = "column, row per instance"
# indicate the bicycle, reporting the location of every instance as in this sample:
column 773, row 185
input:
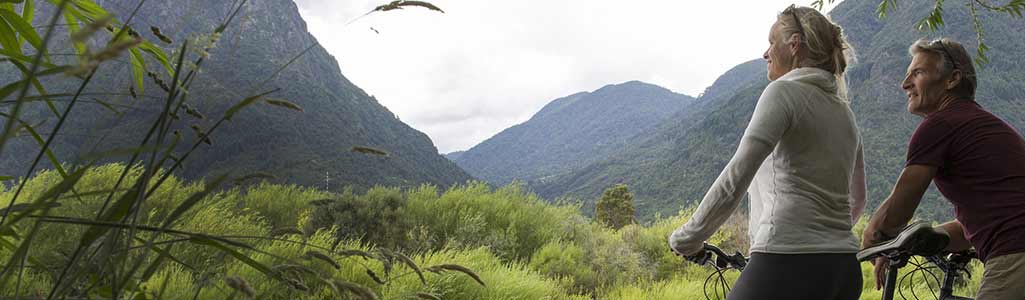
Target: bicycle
column 722, row 264
column 922, row 240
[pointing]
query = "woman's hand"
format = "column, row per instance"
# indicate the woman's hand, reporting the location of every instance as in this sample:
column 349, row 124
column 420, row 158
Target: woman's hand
column 699, row 257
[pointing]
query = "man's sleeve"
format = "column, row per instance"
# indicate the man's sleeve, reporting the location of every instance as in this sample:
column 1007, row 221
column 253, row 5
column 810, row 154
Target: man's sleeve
column 929, row 143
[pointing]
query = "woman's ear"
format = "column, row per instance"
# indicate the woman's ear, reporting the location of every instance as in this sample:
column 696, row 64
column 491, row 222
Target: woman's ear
column 794, row 44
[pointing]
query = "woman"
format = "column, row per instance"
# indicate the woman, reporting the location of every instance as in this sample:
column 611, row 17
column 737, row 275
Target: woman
column 801, row 163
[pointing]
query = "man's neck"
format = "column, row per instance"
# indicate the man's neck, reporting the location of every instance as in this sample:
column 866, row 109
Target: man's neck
column 946, row 101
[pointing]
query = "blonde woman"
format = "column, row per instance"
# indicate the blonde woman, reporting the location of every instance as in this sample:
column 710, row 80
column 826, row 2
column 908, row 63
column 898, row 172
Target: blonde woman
column 801, row 163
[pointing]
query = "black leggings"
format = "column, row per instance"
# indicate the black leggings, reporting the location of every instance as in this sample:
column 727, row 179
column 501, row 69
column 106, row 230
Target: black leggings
column 799, row 277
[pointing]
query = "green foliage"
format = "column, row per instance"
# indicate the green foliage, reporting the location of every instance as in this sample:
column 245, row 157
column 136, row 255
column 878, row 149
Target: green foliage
column 570, row 257
column 377, row 218
column 616, row 207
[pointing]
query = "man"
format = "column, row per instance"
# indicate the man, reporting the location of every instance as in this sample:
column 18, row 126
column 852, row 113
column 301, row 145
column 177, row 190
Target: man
column 977, row 162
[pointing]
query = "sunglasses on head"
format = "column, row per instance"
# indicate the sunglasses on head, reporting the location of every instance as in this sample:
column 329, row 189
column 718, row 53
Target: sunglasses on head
column 792, row 10
column 946, row 52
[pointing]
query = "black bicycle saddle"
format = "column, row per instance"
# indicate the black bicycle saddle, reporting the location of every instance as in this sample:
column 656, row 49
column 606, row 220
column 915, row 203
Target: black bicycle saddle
column 919, row 238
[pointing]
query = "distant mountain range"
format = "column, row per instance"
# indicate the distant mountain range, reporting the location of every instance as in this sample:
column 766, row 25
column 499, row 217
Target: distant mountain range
column 673, row 163
column 309, row 148
column 571, row 132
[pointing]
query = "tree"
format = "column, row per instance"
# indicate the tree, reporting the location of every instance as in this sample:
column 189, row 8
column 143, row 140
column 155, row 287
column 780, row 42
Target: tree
column 934, row 20
column 616, row 207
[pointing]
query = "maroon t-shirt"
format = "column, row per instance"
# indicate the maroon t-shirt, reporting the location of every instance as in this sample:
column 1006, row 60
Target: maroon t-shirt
column 980, row 164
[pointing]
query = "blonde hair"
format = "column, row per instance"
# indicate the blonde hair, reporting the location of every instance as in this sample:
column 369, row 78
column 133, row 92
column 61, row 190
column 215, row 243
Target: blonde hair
column 822, row 40
column 952, row 56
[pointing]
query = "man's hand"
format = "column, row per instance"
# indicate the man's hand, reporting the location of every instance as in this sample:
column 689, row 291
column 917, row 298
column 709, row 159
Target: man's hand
column 882, row 264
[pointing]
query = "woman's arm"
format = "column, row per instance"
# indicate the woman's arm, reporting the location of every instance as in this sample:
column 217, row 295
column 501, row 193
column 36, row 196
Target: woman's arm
column 771, row 118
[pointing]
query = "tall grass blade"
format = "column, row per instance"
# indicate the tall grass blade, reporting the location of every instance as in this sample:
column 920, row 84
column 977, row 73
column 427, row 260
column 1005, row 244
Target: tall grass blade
column 457, row 268
column 245, row 102
column 23, row 28
column 207, row 241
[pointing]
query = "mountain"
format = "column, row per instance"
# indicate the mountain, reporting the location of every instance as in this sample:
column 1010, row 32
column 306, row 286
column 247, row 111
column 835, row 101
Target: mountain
column 674, row 166
column 570, row 132
column 310, row 147
column 675, row 160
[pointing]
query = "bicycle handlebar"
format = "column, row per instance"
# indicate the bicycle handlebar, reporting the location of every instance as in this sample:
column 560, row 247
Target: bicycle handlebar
column 722, row 260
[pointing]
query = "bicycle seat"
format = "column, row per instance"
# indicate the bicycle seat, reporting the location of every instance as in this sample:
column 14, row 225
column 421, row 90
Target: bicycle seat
column 916, row 239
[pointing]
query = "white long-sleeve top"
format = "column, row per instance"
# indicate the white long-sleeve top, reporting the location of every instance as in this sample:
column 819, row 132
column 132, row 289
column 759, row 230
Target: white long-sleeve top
column 801, row 162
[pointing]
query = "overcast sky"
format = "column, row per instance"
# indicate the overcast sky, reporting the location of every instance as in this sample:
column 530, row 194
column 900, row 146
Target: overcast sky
column 485, row 65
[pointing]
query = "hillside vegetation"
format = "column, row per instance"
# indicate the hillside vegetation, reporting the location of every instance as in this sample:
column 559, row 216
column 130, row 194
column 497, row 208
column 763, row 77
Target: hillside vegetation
column 301, row 243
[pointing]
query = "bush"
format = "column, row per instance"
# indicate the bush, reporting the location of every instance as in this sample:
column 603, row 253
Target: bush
column 377, row 217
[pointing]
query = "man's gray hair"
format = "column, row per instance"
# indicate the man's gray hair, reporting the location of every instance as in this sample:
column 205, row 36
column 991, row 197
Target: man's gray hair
column 952, row 56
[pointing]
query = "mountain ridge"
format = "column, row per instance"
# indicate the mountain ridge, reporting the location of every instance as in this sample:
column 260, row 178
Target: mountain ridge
column 576, row 128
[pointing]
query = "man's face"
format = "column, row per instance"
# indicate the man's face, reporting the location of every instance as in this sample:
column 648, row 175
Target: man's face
column 924, row 84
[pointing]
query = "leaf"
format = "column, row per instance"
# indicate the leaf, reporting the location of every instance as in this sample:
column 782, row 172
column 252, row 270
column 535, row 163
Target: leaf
column 39, row 88
column 107, row 106
column 157, row 53
column 23, row 28
column 285, row 104
column 28, row 11
column 368, row 150
column 242, row 104
column 42, row 144
column 457, row 268
column 72, row 23
column 400, row 3
column 26, row 206
column 10, row 88
column 138, row 67
column 422, row 295
column 2, row 177
column 7, row 37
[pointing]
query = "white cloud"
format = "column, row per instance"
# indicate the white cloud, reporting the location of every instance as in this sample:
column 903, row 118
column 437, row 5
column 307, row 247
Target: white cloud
column 485, row 65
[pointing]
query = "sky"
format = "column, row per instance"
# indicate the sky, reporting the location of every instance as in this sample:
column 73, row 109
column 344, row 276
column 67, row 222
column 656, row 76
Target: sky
column 482, row 66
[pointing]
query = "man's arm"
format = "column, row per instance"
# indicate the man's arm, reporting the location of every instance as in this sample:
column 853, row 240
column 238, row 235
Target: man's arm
column 857, row 186
column 898, row 209
column 958, row 241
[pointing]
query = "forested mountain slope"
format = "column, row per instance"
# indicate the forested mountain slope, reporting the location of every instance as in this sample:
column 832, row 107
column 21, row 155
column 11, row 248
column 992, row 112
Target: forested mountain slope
column 312, row 147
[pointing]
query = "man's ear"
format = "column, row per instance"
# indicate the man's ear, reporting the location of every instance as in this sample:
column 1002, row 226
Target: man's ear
column 954, row 80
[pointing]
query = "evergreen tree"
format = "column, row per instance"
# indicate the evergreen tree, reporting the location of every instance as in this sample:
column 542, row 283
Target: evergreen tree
column 616, row 207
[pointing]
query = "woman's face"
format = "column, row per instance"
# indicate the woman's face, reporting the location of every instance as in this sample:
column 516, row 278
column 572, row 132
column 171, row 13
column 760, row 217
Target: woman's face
column 778, row 56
